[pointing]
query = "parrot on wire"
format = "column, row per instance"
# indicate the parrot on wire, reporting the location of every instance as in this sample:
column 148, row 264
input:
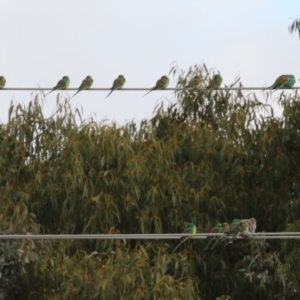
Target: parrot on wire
column 280, row 82
column 215, row 229
column 117, row 84
column 61, row 85
column 161, row 84
column 290, row 82
column 194, row 82
column 2, row 82
column 192, row 229
column 215, row 82
column 224, row 229
column 234, row 224
column 85, row 85
column 232, row 229
column 242, row 228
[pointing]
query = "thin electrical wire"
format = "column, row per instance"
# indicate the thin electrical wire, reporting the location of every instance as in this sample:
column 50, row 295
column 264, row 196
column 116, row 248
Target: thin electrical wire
column 146, row 89
column 165, row 236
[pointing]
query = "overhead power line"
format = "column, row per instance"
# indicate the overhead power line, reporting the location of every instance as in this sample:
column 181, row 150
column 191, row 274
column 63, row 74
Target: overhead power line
column 164, row 236
column 145, row 89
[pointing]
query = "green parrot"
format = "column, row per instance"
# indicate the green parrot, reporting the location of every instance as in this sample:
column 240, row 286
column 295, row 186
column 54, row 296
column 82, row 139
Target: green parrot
column 215, row 229
column 233, row 225
column 215, row 82
column 290, row 83
column 279, row 83
column 224, row 229
column 161, row 84
column 194, row 82
column 61, row 85
column 231, row 230
column 2, row 82
column 118, row 84
column 85, row 85
column 192, row 229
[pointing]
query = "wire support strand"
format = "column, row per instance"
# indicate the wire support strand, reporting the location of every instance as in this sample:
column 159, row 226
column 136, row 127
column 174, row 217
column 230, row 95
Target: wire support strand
column 171, row 236
column 145, row 89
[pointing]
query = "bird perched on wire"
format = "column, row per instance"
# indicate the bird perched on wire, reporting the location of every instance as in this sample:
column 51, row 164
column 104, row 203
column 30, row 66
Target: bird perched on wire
column 234, row 224
column 2, row 82
column 224, row 229
column 117, row 84
column 161, row 84
column 231, row 231
column 61, row 85
column 280, row 82
column 192, row 229
column 215, row 229
column 215, row 82
column 290, row 82
column 194, row 82
column 242, row 229
column 85, row 84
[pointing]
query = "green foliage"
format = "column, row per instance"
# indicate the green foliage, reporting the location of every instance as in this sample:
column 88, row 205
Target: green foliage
column 210, row 157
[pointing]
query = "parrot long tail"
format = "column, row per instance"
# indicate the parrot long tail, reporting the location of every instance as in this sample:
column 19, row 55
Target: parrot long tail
column 233, row 238
column 268, row 88
column 210, row 241
column 218, row 241
column 49, row 92
column 148, row 92
column 109, row 93
column 182, row 240
column 76, row 93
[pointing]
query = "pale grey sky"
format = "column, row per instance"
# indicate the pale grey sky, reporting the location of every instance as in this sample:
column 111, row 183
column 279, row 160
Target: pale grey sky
column 43, row 40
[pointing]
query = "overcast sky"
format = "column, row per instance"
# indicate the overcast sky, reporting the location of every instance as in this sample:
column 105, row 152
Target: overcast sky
column 41, row 41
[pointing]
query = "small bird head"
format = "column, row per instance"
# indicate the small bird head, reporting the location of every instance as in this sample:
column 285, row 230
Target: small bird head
column 217, row 77
column 121, row 76
column 218, row 227
column 235, row 222
column 65, row 78
column 88, row 77
column 164, row 77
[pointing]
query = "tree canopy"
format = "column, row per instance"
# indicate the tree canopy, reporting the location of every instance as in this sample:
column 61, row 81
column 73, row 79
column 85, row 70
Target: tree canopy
column 210, row 156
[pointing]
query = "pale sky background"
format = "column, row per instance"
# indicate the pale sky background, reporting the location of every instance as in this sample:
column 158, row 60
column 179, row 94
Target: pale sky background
column 43, row 40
